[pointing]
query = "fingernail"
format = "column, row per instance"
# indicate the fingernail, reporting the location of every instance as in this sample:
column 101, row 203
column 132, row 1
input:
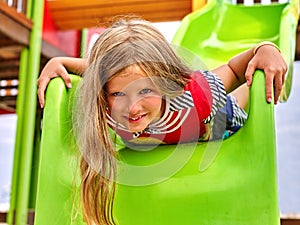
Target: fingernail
column 269, row 99
column 69, row 85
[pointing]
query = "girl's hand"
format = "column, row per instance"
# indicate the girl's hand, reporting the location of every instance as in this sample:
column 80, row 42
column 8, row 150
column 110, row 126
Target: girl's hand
column 268, row 59
column 54, row 68
column 59, row 67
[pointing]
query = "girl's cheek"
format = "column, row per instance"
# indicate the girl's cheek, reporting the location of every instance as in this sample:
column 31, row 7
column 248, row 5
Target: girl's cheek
column 155, row 100
column 119, row 108
column 154, row 105
column 110, row 102
column 114, row 104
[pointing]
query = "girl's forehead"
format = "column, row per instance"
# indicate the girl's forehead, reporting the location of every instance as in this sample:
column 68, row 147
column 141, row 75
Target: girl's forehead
column 130, row 71
column 130, row 77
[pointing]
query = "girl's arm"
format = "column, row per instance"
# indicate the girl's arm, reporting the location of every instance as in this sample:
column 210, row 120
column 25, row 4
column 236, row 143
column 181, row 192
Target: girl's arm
column 241, row 68
column 59, row 67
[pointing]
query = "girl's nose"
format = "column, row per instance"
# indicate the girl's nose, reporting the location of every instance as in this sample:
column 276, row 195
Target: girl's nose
column 134, row 106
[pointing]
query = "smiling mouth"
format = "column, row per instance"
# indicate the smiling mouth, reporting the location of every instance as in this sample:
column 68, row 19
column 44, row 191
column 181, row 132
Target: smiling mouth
column 136, row 118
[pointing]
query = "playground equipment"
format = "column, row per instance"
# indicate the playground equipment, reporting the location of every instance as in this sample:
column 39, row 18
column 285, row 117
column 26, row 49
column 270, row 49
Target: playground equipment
column 231, row 182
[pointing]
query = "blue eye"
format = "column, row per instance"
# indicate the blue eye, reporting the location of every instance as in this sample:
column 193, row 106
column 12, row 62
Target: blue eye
column 117, row 94
column 145, row 91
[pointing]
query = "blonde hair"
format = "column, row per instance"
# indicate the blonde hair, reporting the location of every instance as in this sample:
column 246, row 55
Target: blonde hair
column 125, row 43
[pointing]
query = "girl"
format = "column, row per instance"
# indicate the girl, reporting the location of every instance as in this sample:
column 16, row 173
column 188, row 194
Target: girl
column 134, row 83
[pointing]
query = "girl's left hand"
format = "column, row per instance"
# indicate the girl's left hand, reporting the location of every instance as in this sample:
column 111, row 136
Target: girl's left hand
column 270, row 60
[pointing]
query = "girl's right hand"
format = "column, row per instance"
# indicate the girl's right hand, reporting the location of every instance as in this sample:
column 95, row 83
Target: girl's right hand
column 58, row 67
column 53, row 68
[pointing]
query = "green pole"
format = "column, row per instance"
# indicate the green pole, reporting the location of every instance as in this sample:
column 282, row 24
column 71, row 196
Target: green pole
column 19, row 130
column 17, row 147
column 83, row 43
column 29, row 113
column 26, row 118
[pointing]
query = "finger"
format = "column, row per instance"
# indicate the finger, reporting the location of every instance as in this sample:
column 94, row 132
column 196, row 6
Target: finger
column 282, row 71
column 67, row 79
column 277, row 87
column 42, row 84
column 269, row 88
column 285, row 69
column 249, row 72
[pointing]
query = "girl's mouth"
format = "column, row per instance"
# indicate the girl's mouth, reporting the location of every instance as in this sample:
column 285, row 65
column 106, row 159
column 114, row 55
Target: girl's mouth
column 134, row 119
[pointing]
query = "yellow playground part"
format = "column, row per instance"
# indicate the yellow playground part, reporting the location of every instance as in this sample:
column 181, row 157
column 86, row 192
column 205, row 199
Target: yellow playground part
column 197, row 4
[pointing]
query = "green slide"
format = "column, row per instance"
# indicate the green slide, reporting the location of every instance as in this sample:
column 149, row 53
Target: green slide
column 229, row 182
column 220, row 30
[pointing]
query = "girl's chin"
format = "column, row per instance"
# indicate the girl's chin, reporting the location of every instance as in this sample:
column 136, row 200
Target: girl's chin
column 135, row 130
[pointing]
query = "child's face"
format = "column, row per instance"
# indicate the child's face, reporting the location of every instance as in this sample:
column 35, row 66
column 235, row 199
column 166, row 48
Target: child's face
column 133, row 100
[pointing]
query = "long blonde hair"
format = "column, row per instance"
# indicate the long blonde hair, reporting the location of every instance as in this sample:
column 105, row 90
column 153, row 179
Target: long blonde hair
column 126, row 42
